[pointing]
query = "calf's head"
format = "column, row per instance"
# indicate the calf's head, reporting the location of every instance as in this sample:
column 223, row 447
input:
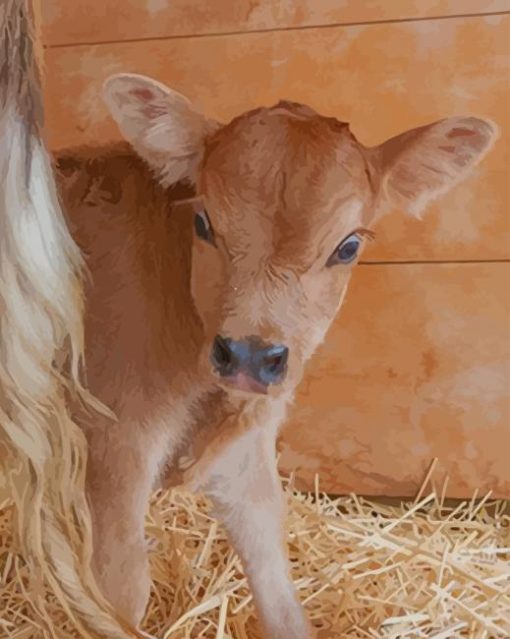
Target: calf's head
column 286, row 200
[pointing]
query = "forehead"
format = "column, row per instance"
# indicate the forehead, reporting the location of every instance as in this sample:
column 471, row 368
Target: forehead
column 284, row 160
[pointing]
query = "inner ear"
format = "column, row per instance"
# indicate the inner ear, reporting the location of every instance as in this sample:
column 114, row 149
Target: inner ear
column 424, row 163
column 161, row 124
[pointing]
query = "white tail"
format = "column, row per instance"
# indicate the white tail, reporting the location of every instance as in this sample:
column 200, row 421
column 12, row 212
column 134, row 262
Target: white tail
column 42, row 451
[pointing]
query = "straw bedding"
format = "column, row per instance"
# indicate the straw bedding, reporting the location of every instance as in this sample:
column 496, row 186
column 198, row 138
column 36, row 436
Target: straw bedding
column 363, row 569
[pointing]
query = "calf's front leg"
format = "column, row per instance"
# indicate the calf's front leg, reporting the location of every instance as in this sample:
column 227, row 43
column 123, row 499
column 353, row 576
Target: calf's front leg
column 123, row 462
column 246, row 491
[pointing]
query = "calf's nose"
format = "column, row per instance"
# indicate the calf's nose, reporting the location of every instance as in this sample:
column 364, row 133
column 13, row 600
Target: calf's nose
column 251, row 357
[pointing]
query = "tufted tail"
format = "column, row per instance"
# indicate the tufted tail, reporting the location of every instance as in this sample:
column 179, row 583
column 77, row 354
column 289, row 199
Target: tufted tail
column 42, row 451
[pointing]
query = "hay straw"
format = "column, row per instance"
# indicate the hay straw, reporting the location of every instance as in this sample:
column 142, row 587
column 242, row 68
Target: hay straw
column 363, row 569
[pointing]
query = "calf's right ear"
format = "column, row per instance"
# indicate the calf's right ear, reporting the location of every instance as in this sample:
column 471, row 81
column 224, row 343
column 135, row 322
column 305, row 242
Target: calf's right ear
column 421, row 164
column 161, row 124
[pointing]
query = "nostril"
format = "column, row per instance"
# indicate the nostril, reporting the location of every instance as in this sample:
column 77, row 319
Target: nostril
column 274, row 363
column 275, row 360
column 230, row 356
column 222, row 352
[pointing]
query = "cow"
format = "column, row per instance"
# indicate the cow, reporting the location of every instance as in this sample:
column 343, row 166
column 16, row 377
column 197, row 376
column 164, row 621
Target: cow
column 219, row 254
column 42, row 451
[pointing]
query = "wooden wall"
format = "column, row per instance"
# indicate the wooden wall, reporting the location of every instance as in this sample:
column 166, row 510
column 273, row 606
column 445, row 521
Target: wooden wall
column 417, row 365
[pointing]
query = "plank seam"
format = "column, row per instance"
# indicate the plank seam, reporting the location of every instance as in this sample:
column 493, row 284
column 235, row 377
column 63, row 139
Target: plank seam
column 219, row 34
column 404, row 262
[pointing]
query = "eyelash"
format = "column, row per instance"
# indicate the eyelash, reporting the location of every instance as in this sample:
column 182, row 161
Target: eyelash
column 365, row 233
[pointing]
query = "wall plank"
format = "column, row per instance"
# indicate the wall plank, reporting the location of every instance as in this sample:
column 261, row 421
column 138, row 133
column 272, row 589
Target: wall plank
column 416, row 366
column 110, row 20
column 381, row 78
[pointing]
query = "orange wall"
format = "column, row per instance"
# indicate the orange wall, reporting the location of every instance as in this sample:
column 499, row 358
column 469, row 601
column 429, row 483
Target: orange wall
column 418, row 364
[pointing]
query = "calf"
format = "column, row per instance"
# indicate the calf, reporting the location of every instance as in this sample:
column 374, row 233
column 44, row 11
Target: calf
column 219, row 256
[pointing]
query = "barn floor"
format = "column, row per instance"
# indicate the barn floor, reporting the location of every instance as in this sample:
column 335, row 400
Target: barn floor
column 363, row 569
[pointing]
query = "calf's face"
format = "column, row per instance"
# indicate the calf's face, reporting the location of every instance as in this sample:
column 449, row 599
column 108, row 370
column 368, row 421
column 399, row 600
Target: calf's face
column 286, row 203
column 285, row 200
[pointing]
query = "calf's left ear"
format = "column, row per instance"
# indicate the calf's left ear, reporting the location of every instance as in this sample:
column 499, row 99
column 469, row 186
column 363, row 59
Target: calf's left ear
column 419, row 165
column 160, row 123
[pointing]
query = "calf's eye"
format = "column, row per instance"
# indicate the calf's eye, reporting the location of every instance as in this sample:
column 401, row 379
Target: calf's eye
column 203, row 227
column 346, row 251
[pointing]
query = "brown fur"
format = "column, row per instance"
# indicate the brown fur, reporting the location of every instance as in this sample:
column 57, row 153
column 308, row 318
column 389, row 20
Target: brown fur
column 283, row 187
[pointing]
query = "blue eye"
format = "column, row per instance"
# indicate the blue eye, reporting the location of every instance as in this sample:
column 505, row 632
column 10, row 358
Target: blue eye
column 203, row 227
column 345, row 252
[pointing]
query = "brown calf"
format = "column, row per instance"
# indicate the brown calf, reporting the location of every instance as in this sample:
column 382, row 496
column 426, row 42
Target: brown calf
column 213, row 283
